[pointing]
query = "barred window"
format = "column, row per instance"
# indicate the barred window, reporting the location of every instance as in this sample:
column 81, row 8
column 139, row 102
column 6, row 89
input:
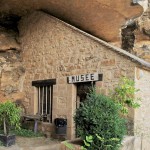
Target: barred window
column 45, row 98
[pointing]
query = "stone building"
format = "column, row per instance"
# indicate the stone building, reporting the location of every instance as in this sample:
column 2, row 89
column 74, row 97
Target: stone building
column 60, row 61
column 46, row 65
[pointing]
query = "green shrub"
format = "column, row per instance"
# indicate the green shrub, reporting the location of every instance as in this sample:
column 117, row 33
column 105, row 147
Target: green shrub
column 9, row 116
column 124, row 95
column 99, row 116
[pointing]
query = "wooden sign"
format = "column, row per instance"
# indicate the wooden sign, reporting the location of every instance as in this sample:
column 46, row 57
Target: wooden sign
column 85, row 78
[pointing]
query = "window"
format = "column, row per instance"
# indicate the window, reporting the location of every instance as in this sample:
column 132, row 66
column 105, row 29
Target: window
column 44, row 98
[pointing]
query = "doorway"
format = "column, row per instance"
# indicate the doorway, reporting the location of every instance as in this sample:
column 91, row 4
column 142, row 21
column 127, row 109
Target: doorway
column 82, row 90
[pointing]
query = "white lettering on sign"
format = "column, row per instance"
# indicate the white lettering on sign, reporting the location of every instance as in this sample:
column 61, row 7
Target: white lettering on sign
column 83, row 78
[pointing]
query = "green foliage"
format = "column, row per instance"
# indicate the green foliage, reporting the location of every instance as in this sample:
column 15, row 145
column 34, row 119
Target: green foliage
column 111, row 140
column 99, row 115
column 124, row 95
column 27, row 133
column 88, row 142
column 9, row 116
column 24, row 133
column 68, row 145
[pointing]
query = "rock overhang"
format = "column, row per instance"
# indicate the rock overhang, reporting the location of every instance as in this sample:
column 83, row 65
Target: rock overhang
column 102, row 18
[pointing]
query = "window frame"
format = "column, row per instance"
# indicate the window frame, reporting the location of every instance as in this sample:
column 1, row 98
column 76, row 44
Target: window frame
column 43, row 84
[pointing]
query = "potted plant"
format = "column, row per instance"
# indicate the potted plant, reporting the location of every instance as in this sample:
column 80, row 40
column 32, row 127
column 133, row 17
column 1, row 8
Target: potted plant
column 9, row 117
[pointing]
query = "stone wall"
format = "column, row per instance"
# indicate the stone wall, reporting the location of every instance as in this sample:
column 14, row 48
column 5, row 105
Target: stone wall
column 52, row 49
column 142, row 117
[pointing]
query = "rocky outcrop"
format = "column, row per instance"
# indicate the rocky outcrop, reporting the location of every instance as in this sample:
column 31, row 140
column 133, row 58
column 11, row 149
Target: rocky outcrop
column 142, row 35
column 11, row 75
column 11, row 70
column 144, row 23
column 106, row 19
column 102, row 18
column 8, row 40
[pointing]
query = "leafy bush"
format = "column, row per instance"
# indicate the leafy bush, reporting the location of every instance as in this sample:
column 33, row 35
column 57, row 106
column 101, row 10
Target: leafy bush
column 9, row 116
column 124, row 95
column 98, row 116
column 89, row 140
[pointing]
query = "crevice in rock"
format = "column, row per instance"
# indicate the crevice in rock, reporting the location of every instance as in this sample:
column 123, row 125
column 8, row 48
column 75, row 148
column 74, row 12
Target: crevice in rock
column 9, row 21
column 9, row 33
column 11, row 48
column 11, row 56
column 128, row 37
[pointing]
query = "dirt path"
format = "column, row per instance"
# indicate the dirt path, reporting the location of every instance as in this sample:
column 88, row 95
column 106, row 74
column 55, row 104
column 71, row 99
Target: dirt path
column 38, row 143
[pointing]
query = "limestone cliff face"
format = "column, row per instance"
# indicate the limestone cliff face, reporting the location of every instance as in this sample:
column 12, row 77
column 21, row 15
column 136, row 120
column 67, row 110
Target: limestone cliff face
column 8, row 40
column 102, row 18
column 11, row 70
column 119, row 21
column 142, row 34
column 11, row 75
